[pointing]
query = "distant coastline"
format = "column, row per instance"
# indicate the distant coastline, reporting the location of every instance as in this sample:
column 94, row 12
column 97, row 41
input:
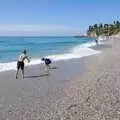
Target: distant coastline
column 80, row 36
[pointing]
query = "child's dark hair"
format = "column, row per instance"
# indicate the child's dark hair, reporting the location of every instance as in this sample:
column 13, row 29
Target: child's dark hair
column 43, row 59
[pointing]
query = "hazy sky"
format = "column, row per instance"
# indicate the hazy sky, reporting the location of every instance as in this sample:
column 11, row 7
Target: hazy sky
column 55, row 17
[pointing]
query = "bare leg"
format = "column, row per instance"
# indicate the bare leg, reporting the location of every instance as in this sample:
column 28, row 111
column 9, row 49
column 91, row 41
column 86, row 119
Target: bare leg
column 17, row 73
column 97, row 44
column 47, row 67
column 23, row 73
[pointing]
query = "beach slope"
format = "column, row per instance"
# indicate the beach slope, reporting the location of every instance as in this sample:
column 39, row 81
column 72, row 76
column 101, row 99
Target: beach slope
column 91, row 90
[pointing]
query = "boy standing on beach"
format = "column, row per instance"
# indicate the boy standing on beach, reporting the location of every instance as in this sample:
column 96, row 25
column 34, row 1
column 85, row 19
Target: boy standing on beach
column 20, row 63
column 47, row 62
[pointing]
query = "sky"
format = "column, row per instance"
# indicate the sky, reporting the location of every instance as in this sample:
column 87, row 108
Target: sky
column 55, row 17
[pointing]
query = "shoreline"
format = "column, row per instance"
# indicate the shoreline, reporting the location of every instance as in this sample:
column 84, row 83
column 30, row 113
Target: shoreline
column 58, row 94
column 74, row 52
column 95, row 94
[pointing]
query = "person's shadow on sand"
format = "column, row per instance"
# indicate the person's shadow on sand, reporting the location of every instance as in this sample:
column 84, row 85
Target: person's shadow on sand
column 42, row 75
column 53, row 68
column 36, row 76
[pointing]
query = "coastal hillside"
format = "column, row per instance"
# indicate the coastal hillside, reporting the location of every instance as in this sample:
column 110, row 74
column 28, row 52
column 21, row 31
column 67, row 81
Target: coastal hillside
column 104, row 29
column 116, row 36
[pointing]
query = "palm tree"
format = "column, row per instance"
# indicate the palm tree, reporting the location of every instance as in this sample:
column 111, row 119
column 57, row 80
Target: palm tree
column 104, row 29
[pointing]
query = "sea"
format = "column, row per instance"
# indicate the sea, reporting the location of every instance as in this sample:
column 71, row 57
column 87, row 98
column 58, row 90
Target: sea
column 54, row 47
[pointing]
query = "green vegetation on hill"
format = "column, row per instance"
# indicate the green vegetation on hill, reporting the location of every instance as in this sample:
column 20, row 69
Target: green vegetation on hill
column 104, row 29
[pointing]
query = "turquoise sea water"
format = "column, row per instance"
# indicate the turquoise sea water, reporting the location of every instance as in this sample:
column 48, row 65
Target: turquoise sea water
column 58, row 48
column 10, row 47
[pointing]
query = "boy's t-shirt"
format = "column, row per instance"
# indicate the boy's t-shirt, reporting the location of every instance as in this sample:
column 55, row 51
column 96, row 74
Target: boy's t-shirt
column 47, row 61
column 22, row 57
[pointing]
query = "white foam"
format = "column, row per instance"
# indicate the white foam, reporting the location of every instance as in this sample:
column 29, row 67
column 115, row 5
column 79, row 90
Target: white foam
column 13, row 65
column 102, row 38
column 7, row 66
column 76, row 52
column 87, row 45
